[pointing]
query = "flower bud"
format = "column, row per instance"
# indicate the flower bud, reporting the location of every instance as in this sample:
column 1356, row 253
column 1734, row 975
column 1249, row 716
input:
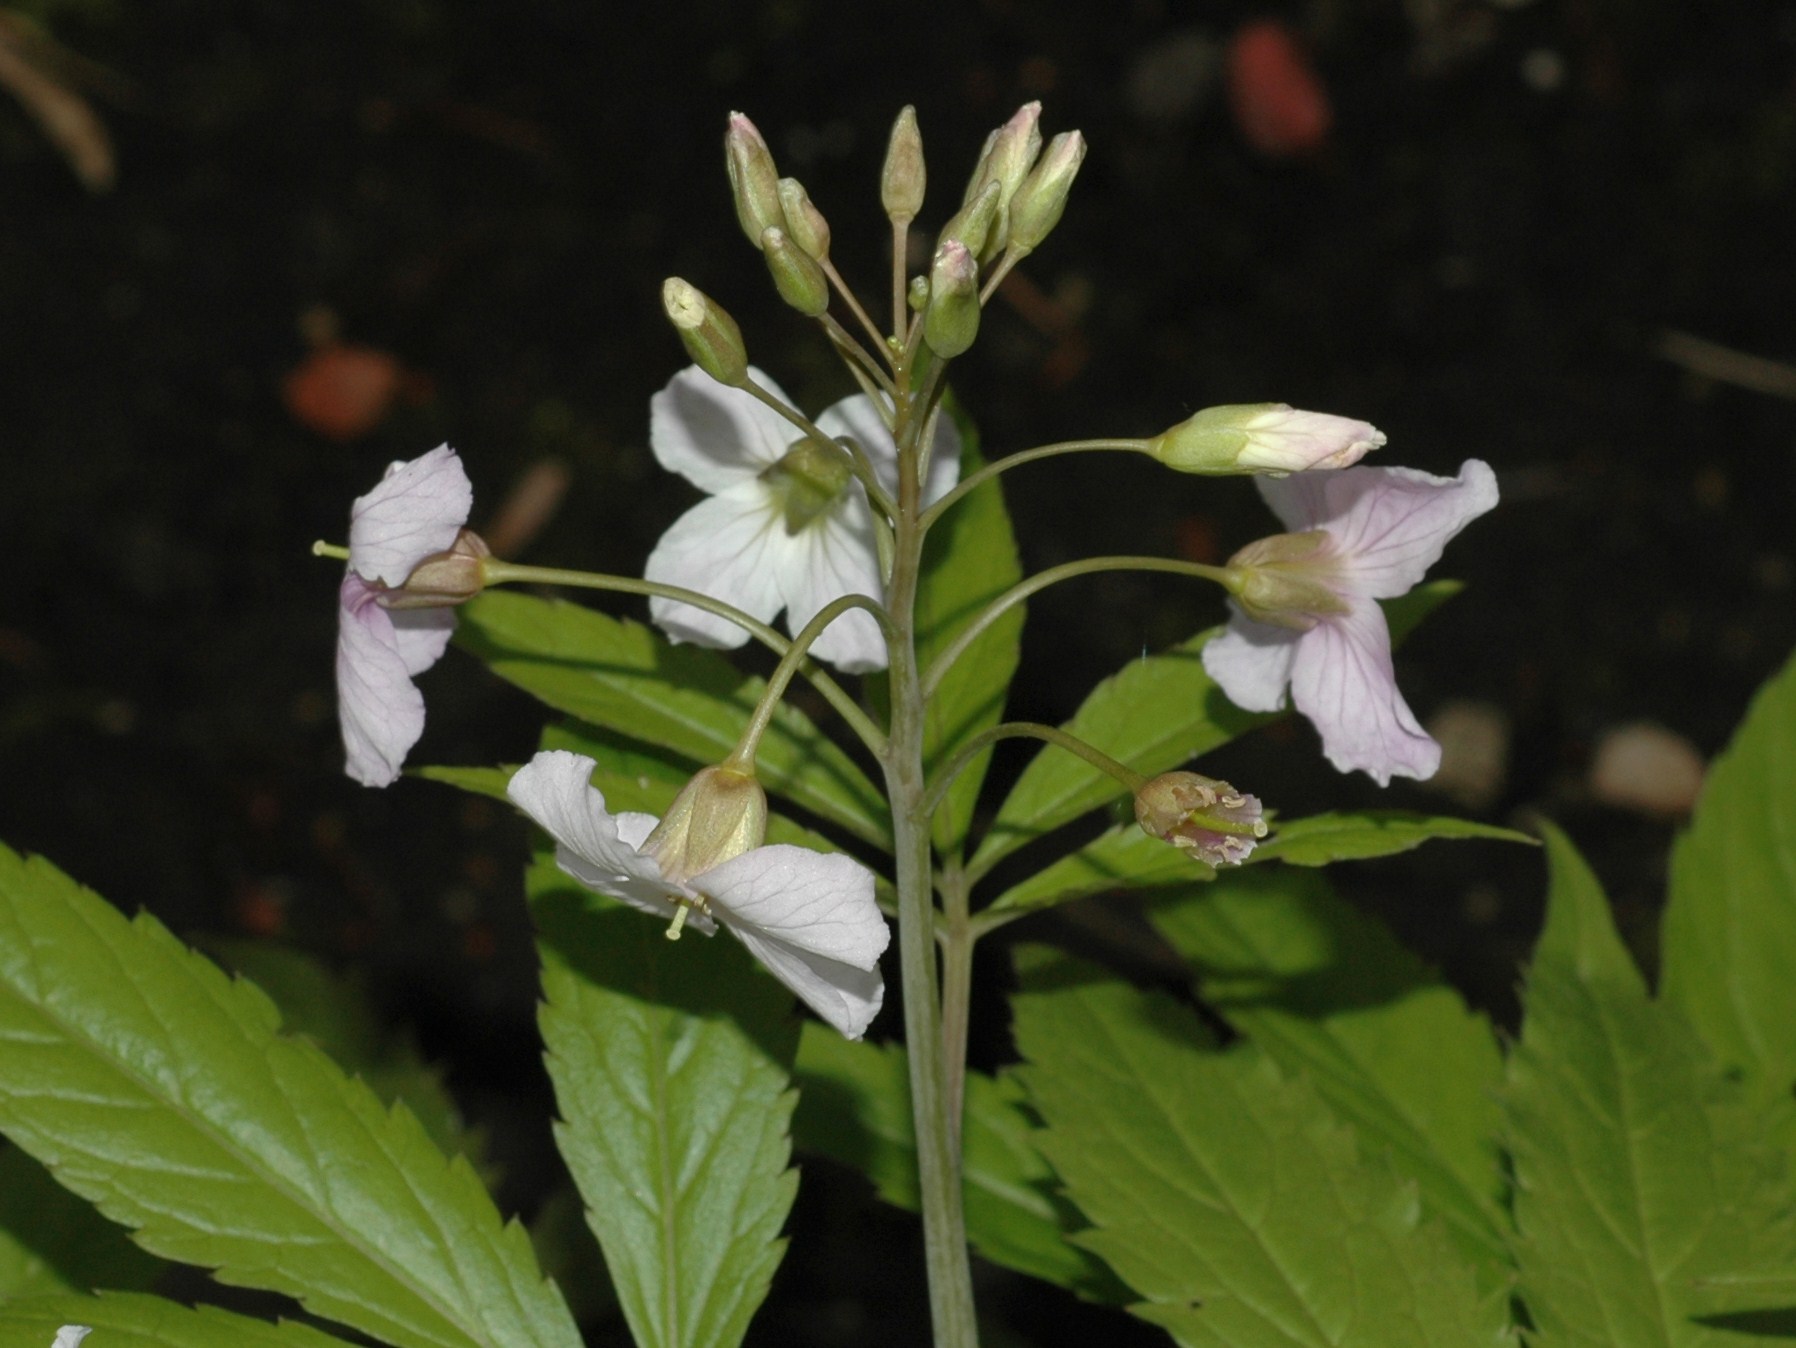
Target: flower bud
column 951, row 319
column 708, row 333
column 718, row 815
column 1008, row 156
column 916, row 294
column 1038, row 201
column 754, row 182
column 442, row 579
column 799, row 280
column 902, row 179
column 805, row 224
column 1263, row 438
column 1283, row 579
column 1208, row 819
column 973, row 223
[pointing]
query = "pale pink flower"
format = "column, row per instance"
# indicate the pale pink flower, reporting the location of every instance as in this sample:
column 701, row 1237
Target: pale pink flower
column 1378, row 532
column 809, row 917
column 415, row 511
column 782, row 528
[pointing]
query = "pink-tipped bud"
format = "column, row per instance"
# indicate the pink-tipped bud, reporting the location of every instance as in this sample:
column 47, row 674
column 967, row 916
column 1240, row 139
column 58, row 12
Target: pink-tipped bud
column 1037, row 204
column 951, row 318
column 754, row 182
column 1264, row 438
column 1208, row 819
column 902, row 180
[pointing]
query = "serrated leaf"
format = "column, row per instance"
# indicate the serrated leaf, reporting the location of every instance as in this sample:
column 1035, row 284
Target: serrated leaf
column 1152, row 714
column 854, row 1107
column 1224, row 1192
column 1120, row 858
column 970, row 558
column 1636, row 1176
column 160, row 1090
column 335, row 1013
column 1356, row 835
column 623, row 677
column 1326, row 991
column 129, row 1320
column 51, row 1241
column 1728, row 935
column 671, row 1063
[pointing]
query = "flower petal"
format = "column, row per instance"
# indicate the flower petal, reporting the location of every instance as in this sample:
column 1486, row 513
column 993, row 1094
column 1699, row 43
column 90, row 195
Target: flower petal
column 422, row 635
column 835, row 555
column 381, row 713
column 416, row 509
column 1342, row 680
column 1251, row 662
column 1388, row 525
column 715, row 436
column 69, row 1336
column 733, row 547
column 811, row 918
column 858, row 419
column 555, row 789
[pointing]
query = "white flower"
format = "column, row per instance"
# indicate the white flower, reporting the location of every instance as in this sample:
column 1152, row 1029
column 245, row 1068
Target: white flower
column 810, row 917
column 417, row 510
column 785, row 526
column 71, row 1335
column 1358, row 535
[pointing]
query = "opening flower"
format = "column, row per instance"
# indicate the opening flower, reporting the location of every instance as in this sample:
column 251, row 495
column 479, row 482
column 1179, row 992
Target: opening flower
column 415, row 512
column 809, row 917
column 1306, row 612
column 786, row 525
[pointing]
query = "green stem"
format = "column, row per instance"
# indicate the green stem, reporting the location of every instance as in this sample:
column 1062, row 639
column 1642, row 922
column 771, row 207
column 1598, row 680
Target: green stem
column 957, row 941
column 742, row 758
column 1016, row 594
column 854, row 307
column 500, row 573
column 1098, row 759
column 938, row 1168
column 996, row 466
column 863, row 367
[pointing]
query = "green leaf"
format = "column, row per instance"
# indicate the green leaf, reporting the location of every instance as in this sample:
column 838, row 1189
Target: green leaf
column 671, row 1063
column 1225, row 1192
column 1327, row 992
column 335, row 1013
column 1355, row 835
column 969, row 560
column 854, row 1107
column 159, row 1089
column 621, row 676
column 1637, row 1175
column 1121, row 858
column 126, row 1320
column 51, row 1241
column 1152, row 714
column 1729, row 930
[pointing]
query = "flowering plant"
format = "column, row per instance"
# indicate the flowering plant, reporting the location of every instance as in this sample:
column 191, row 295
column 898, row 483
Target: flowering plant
column 1361, row 1163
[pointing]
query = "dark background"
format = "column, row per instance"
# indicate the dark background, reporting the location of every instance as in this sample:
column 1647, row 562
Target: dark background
column 1514, row 204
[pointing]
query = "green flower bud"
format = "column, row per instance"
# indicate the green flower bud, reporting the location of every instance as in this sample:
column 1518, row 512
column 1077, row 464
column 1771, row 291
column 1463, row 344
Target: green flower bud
column 804, row 222
column 972, row 224
column 1037, row 203
column 916, row 294
column 754, row 182
column 1207, row 819
column 1263, row 438
column 1009, row 153
column 796, row 275
column 951, row 319
column 718, row 815
column 708, row 333
column 902, row 179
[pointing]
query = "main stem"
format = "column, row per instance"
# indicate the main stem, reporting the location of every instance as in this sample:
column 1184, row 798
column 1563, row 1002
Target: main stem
column 938, row 1160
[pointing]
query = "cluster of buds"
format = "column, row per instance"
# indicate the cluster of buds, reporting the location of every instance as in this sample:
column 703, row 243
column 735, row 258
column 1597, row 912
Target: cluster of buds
column 779, row 218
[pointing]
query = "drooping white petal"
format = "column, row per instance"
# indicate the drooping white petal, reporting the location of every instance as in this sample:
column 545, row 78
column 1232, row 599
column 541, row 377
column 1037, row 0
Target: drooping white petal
column 415, row 510
column 733, row 547
column 1251, row 662
column 381, row 713
column 555, row 789
column 811, row 918
column 715, row 436
column 70, row 1336
column 856, row 418
column 1387, row 525
column 422, row 635
column 837, row 556
column 1343, row 681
